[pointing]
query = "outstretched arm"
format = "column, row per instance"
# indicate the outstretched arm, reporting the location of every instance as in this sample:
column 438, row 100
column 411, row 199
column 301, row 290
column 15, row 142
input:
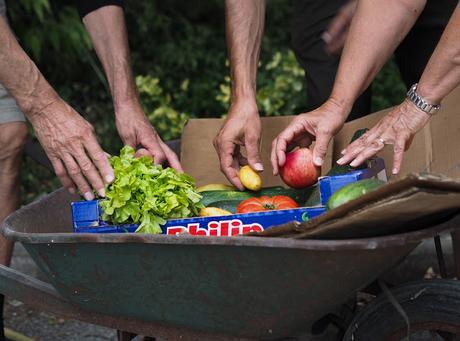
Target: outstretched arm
column 399, row 126
column 245, row 25
column 68, row 140
column 376, row 30
column 107, row 29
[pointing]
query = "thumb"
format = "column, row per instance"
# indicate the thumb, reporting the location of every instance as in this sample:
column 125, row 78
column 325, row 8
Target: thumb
column 251, row 144
column 320, row 149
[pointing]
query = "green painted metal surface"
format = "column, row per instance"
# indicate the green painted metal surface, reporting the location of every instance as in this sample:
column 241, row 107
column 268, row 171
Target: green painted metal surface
column 242, row 286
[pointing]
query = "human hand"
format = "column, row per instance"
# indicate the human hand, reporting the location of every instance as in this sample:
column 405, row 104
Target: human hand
column 398, row 128
column 320, row 124
column 241, row 128
column 72, row 147
column 136, row 131
column 337, row 32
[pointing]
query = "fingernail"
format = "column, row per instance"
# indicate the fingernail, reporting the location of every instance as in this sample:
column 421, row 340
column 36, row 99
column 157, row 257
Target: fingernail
column 101, row 192
column 258, row 167
column 343, row 151
column 354, row 163
column 109, row 178
column 395, row 171
column 326, row 36
column 340, row 161
column 72, row 190
column 88, row 196
column 319, row 161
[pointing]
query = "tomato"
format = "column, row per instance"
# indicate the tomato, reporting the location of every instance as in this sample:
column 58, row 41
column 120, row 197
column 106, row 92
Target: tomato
column 264, row 203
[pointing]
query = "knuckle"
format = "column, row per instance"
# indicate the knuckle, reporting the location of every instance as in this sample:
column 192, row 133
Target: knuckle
column 73, row 170
column 86, row 166
column 60, row 173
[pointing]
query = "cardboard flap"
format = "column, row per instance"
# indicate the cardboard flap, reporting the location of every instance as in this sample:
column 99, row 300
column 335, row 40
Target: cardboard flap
column 200, row 160
column 415, row 202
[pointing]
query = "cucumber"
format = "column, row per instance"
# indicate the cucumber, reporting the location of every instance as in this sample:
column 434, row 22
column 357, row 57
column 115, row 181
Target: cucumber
column 210, row 197
column 314, row 199
column 352, row 191
column 228, row 205
column 298, row 195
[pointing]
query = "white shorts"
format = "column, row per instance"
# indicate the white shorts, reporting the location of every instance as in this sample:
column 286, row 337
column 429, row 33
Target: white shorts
column 9, row 110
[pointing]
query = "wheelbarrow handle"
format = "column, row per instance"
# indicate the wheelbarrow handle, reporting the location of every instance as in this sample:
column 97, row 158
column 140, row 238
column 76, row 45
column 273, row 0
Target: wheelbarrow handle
column 42, row 296
column 32, row 291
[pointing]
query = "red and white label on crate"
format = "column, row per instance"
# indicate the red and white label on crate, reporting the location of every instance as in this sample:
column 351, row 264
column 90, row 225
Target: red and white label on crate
column 223, row 228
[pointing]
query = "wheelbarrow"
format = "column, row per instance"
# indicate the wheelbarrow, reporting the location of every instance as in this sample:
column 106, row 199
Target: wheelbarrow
column 225, row 288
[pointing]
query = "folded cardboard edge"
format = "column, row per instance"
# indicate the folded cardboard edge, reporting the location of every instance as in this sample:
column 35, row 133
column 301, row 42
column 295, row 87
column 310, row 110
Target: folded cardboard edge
column 388, row 191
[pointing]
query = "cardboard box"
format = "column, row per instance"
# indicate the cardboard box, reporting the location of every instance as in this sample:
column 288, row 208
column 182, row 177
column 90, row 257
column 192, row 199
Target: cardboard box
column 435, row 149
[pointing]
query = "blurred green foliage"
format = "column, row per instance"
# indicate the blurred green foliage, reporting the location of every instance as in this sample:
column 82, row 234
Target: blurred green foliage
column 179, row 58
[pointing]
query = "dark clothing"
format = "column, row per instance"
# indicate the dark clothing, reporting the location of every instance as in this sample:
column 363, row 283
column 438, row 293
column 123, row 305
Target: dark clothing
column 312, row 17
column 87, row 6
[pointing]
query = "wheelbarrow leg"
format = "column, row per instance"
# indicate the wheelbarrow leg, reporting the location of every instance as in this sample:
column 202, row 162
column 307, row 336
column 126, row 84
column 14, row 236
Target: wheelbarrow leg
column 125, row 336
column 456, row 252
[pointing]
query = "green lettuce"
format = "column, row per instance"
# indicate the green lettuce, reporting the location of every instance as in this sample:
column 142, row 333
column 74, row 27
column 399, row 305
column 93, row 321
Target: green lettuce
column 147, row 194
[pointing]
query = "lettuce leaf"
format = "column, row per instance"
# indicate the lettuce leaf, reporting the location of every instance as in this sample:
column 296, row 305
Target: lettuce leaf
column 148, row 194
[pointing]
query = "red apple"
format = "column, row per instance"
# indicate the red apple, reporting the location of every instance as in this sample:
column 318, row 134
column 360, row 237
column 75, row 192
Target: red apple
column 299, row 171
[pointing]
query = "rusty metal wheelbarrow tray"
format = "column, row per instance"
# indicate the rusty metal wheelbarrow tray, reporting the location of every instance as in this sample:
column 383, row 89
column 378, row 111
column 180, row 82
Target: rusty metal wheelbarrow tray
column 247, row 287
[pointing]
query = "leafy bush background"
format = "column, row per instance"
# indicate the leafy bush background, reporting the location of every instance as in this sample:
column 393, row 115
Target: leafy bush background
column 180, row 61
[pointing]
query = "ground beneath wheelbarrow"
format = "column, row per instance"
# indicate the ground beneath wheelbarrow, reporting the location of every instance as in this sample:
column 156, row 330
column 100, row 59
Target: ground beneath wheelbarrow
column 48, row 327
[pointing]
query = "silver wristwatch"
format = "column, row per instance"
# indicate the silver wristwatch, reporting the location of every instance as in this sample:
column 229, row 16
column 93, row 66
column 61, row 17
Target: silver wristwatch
column 420, row 102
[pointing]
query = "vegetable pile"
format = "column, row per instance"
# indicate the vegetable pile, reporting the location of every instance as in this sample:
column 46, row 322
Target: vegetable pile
column 148, row 194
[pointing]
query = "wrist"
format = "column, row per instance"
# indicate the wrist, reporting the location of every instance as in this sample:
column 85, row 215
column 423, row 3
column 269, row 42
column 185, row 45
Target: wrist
column 243, row 107
column 428, row 93
column 338, row 106
column 128, row 107
column 39, row 104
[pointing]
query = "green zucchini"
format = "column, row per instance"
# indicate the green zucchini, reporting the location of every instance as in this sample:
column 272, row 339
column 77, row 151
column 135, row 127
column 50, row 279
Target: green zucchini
column 352, row 191
column 209, row 197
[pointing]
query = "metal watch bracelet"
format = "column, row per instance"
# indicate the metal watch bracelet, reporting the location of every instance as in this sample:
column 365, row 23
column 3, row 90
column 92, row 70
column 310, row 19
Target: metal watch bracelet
column 420, row 102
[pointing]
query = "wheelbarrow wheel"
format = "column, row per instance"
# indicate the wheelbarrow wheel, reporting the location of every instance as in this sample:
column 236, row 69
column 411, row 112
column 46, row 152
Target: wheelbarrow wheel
column 432, row 307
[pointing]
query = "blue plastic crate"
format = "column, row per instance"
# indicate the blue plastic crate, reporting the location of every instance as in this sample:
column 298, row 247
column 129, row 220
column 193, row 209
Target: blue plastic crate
column 86, row 215
column 207, row 226
column 328, row 185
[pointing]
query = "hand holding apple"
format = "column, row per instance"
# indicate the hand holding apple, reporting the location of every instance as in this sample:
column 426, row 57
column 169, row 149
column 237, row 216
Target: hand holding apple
column 299, row 171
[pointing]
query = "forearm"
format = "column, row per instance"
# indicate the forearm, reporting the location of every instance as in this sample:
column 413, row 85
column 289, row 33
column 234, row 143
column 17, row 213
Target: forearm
column 245, row 25
column 442, row 73
column 376, row 30
column 107, row 29
column 21, row 77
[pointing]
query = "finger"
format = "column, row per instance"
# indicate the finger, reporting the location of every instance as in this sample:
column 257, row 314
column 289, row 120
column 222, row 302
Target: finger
column 398, row 150
column 90, row 172
column 252, row 145
column 229, row 163
column 143, row 152
column 100, row 159
column 274, row 158
column 61, row 173
column 171, row 157
column 286, row 138
column 320, row 149
column 155, row 150
column 355, row 148
column 336, row 45
column 368, row 152
column 74, row 172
